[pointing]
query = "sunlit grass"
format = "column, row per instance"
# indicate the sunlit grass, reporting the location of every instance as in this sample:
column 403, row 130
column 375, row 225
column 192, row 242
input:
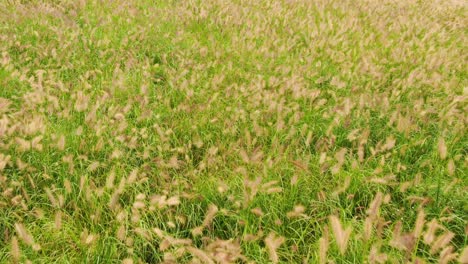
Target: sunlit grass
column 233, row 131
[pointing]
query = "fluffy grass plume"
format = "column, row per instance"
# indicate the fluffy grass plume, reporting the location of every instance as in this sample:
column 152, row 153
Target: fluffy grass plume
column 215, row 131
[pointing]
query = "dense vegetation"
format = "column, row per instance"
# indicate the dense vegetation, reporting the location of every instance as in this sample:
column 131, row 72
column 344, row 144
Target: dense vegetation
column 216, row 131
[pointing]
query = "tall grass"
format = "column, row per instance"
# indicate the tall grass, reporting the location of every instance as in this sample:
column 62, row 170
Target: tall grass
column 238, row 131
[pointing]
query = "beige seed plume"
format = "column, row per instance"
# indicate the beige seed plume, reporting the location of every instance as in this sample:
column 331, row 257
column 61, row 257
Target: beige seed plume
column 4, row 161
column 402, row 241
column 24, row 235
column 110, row 180
column 341, row 235
column 89, row 239
column 447, row 255
column 298, row 211
column 294, row 180
column 377, row 257
column 133, row 176
column 273, row 242
column 200, row 254
column 61, row 143
column 58, row 220
column 127, row 261
column 212, row 211
column 51, row 197
column 368, row 224
column 15, row 250
column 442, row 241
column 463, row 258
column 451, row 167
column 419, row 225
column 373, row 210
column 171, row 241
column 442, row 147
column 67, row 185
column 244, row 156
column 323, row 246
column 429, row 235
column 121, row 233
column 257, row 211
column 81, row 102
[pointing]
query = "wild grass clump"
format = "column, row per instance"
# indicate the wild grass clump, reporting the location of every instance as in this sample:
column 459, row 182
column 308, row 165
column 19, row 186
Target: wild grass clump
column 233, row 131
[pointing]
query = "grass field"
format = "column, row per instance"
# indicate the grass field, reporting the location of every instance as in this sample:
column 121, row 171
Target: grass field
column 216, row 131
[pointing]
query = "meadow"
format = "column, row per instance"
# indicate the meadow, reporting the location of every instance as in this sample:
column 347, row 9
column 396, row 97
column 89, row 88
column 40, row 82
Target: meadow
column 216, row 131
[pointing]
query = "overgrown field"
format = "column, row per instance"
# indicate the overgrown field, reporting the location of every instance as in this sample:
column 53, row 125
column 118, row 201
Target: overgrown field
column 244, row 131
